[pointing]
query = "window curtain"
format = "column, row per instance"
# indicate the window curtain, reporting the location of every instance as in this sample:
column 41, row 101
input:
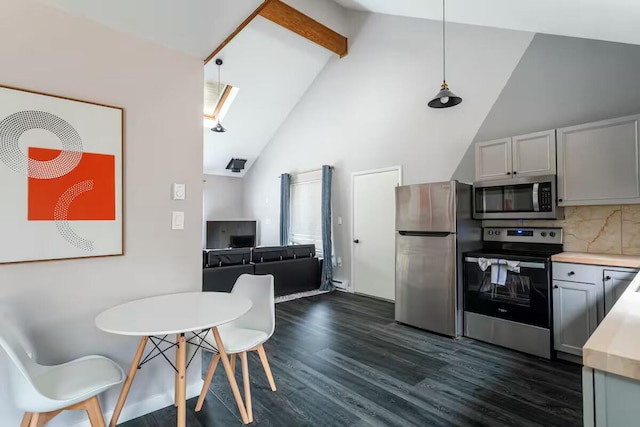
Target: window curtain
column 285, row 208
column 326, row 283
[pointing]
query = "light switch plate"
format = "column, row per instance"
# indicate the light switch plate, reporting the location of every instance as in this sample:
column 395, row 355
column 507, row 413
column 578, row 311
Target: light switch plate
column 179, row 191
column 177, row 220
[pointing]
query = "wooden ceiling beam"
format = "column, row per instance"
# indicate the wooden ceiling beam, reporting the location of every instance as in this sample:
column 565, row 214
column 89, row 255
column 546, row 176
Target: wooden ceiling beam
column 293, row 20
column 296, row 21
column 237, row 30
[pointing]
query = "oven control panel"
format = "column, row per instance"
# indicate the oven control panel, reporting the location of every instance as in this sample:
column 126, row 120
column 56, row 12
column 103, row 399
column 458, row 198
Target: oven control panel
column 523, row 234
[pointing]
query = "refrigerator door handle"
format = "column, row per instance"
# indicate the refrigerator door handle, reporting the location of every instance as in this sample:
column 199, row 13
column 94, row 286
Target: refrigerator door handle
column 425, row 233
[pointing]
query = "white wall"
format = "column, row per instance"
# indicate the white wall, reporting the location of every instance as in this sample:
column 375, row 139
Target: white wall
column 223, row 199
column 161, row 91
column 369, row 110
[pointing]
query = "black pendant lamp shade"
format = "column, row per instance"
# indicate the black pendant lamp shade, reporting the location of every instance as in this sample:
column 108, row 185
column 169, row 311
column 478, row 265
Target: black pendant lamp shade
column 445, row 98
column 218, row 127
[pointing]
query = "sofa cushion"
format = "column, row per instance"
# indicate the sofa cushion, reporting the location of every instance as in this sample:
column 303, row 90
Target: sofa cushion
column 301, row 251
column 225, row 257
column 269, row 253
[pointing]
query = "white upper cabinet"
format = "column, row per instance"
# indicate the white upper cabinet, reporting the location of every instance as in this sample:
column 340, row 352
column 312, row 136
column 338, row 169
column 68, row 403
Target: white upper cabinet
column 534, row 154
column 493, row 159
column 598, row 163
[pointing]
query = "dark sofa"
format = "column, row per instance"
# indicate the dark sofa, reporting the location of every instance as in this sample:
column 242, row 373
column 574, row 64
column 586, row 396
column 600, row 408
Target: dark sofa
column 294, row 268
column 222, row 267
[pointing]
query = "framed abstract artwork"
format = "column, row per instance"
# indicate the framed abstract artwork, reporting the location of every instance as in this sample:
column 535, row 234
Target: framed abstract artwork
column 61, row 189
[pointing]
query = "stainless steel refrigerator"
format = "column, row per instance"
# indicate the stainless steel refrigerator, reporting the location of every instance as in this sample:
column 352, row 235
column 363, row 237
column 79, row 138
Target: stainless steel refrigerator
column 433, row 228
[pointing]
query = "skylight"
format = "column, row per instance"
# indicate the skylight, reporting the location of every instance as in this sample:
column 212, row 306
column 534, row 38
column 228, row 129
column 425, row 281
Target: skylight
column 217, row 103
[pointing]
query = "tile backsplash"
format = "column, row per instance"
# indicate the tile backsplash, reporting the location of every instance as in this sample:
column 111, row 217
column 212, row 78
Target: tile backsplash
column 612, row 229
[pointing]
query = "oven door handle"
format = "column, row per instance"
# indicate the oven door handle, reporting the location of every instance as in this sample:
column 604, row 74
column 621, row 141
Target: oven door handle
column 536, row 198
column 524, row 264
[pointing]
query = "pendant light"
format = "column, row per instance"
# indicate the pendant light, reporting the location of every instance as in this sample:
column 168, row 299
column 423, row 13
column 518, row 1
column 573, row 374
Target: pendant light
column 445, row 98
column 218, row 127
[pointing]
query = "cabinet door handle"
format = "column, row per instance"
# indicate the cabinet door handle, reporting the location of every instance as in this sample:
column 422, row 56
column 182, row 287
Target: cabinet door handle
column 607, row 278
column 515, row 172
column 560, row 200
column 508, row 173
column 555, row 286
column 571, row 273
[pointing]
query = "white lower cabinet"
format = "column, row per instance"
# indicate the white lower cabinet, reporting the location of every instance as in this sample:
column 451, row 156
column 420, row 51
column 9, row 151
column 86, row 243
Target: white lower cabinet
column 615, row 283
column 609, row 400
column 575, row 315
column 582, row 296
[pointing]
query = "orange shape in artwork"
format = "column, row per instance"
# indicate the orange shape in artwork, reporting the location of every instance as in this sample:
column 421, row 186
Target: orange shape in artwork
column 98, row 204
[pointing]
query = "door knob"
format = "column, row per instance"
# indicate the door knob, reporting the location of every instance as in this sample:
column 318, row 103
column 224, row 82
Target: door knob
column 555, row 286
column 571, row 273
column 356, row 241
column 607, row 278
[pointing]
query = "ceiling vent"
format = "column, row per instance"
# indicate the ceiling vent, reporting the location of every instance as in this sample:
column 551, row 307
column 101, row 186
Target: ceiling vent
column 236, row 165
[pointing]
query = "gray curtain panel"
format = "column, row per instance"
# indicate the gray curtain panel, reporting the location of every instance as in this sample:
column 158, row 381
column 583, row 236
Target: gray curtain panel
column 285, row 208
column 326, row 284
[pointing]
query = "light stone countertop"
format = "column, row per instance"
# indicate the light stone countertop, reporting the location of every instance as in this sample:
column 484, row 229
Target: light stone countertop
column 629, row 261
column 615, row 345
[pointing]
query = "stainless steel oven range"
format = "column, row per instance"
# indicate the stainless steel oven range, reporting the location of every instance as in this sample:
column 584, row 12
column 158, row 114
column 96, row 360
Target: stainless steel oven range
column 507, row 288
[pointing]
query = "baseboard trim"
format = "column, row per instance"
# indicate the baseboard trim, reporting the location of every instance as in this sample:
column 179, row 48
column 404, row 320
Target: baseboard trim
column 147, row 406
column 299, row 295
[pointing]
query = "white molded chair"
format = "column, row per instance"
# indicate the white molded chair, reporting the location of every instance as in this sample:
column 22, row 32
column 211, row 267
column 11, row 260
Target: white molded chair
column 42, row 392
column 247, row 333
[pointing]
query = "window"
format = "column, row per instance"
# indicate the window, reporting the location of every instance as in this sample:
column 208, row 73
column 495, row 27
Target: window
column 306, row 210
column 217, row 102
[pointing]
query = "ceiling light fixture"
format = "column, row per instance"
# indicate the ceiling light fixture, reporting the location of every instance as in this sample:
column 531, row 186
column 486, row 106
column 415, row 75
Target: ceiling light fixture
column 445, row 98
column 218, row 127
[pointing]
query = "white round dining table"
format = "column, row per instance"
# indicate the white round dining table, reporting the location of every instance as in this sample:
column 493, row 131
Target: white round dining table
column 157, row 317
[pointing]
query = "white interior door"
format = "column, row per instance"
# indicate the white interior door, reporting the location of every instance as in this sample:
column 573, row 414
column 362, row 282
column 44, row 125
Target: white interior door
column 373, row 246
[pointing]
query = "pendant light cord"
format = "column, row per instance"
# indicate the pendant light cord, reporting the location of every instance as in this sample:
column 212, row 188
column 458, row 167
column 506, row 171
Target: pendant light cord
column 219, row 66
column 444, row 78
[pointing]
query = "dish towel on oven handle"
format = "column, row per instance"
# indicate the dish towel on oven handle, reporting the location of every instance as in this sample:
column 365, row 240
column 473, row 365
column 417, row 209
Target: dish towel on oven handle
column 499, row 268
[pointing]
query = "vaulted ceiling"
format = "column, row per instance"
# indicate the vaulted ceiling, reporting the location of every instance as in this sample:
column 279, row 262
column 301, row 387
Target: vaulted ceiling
column 611, row 20
column 273, row 67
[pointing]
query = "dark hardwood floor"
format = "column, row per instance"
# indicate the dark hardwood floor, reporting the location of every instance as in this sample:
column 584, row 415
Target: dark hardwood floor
column 341, row 360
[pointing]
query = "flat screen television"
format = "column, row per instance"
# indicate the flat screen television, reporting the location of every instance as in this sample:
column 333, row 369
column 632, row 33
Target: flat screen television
column 231, row 234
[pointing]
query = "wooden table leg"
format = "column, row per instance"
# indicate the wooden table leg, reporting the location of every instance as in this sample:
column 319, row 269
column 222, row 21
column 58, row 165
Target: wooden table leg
column 175, row 393
column 182, row 381
column 232, row 379
column 127, row 384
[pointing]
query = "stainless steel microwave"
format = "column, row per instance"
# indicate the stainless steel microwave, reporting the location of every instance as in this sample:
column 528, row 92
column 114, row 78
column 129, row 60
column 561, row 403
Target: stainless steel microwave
column 517, row 198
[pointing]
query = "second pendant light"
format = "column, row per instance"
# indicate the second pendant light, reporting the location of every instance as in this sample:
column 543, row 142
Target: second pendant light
column 445, row 98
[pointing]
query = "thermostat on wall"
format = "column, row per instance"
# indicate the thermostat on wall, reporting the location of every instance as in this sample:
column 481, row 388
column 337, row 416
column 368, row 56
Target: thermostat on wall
column 179, row 192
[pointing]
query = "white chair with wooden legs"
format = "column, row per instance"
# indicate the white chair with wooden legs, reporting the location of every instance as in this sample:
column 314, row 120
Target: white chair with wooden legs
column 42, row 392
column 247, row 333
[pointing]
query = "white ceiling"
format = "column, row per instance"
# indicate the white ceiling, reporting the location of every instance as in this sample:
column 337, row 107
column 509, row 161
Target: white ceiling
column 194, row 27
column 612, row 20
column 273, row 67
